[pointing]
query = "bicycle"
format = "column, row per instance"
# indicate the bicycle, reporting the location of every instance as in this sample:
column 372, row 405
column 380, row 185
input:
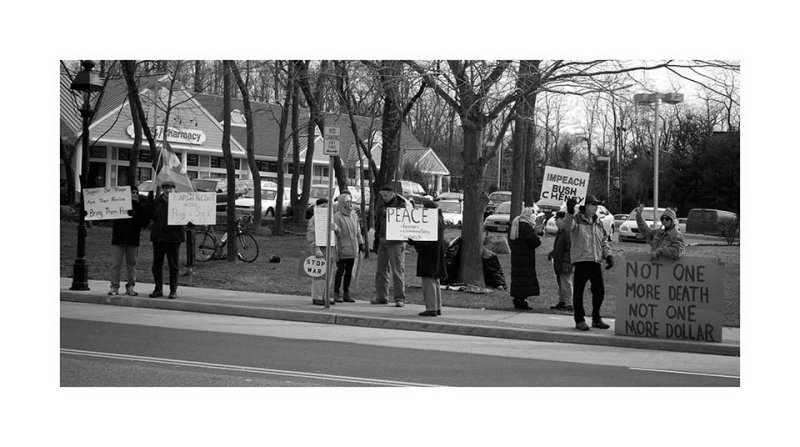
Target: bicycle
column 206, row 245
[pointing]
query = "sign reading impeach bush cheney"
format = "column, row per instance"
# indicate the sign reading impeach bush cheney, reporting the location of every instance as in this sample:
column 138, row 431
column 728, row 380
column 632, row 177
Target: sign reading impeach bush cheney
column 419, row 224
column 670, row 299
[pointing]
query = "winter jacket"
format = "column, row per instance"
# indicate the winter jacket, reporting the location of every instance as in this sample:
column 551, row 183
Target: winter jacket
column 160, row 231
column 430, row 254
column 380, row 216
column 588, row 238
column 349, row 236
column 127, row 231
column 524, row 282
column 560, row 253
column 666, row 243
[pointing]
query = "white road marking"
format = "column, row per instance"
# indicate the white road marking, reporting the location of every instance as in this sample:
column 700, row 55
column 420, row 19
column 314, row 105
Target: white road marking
column 279, row 372
column 684, row 372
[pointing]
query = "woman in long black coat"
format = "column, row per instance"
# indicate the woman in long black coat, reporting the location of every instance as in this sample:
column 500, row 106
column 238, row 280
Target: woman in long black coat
column 524, row 241
column 430, row 266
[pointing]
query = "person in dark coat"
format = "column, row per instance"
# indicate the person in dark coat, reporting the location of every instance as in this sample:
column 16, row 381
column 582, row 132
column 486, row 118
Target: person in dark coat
column 431, row 266
column 166, row 242
column 125, row 243
column 562, row 265
column 523, row 241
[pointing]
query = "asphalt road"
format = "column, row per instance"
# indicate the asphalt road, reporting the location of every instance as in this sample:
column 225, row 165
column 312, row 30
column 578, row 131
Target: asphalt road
column 110, row 346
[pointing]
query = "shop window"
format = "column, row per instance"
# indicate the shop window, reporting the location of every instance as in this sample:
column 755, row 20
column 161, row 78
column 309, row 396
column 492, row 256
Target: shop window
column 261, row 165
column 97, row 152
column 217, row 162
column 272, row 166
column 192, row 160
column 144, row 155
column 123, row 154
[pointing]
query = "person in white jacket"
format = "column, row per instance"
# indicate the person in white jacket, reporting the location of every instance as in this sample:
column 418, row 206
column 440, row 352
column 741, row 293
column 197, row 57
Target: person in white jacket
column 588, row 248
column 349, row 243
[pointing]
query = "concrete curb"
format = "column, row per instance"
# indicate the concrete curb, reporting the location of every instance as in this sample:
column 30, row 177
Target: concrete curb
column 408, row 325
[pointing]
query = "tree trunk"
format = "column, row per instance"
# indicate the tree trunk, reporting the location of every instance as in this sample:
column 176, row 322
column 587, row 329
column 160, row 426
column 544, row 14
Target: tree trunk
column 389, row 75
column 229, row 166
column 298, row 210
column 282, row 126
column 250, row 149
column 471, row 269
column 198, row 76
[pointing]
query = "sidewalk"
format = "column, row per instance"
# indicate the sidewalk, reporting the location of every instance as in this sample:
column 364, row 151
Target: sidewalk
column 475, row 322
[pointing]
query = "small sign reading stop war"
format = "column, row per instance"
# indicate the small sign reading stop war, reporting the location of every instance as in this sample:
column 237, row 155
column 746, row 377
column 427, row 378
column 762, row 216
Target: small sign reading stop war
column 312, row 266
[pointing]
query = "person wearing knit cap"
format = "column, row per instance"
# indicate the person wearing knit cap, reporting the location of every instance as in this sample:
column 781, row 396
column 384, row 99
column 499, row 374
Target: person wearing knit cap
column 317, row 248
column 523, row 241
column 391, row 254
column 667, row 241
column 349, row 243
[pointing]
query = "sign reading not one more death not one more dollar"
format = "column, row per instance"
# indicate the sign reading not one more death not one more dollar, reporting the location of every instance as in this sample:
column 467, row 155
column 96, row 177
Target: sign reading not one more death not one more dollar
column 559, row 184
column 419, row 224
column 199, row 208
column 107, row 203
column 679, row 300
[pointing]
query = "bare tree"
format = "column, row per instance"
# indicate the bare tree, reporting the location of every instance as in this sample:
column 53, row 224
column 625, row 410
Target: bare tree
column 229, row 165
column 250, row 147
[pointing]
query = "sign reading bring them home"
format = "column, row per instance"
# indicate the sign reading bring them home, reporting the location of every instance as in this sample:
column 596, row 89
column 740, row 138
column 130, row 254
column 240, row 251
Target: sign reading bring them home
column 107, row 203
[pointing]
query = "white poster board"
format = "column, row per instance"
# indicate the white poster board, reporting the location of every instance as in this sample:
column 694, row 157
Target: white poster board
column 107, row 203
column 199, row 208
column 419, row 224
column 558, row 185
column 320, row 225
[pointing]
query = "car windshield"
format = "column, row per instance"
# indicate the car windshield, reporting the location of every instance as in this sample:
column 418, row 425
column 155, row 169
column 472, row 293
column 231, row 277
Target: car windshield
column 266, row 194
column 450, row 207
column 500, row 196
column 647, row 214
column 503, row 208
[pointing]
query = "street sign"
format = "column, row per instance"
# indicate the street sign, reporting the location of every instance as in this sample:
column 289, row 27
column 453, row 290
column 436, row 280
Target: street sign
column 331, row 145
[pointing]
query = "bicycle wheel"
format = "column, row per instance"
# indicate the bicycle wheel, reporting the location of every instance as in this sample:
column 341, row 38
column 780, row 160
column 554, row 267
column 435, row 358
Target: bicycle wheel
column 247, row 247
column 204, row 245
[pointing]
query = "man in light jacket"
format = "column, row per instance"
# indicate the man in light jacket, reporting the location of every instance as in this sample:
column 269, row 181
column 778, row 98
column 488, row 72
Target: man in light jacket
column 588, row 248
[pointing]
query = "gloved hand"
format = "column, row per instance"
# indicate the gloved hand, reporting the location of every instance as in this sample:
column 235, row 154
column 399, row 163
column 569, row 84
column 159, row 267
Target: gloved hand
column 609, row 262
column 130, row 212
column 655, row 254
column 318, row 253
column 410, row 241
column 571, row 202
column 362, row 247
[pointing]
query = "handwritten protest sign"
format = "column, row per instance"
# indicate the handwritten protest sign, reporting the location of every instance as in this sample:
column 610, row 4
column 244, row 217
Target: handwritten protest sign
column 670, row 299
column 320, row 225
column 312, row 266
column 112, row 202
column 419, row 224
column 199, row 208
column 560, row 184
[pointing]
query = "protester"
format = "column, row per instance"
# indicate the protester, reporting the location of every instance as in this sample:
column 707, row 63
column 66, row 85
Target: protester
column 430, row 266
column 349, row 243
column 665, row 242
column 588, row 248
column 317, row 248
column 523, row 241
column 562, row 266
column 166, row 241
column 125, row 243
column 391, row 254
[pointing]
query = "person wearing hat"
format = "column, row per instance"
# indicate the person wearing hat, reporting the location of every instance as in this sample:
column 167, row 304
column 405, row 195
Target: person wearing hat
column 167, row 241
column 523, row 240
column 562, row 266
column 125, row 244
column 431, row 265
column 391, row 254
column 588, row 249
column 317, row 248
column 349, row 243
column 666, row 241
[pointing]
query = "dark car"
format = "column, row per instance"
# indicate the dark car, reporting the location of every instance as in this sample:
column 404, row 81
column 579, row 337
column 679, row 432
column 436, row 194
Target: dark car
column 495, row 199
column 707, row 221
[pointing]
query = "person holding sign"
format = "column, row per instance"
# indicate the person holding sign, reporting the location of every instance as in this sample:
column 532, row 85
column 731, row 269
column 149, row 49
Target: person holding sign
column 167, row 241
column 430, row 266
column 125, row 243
column 588, row 248
column 349, row 243
column 391, row 254
column 317, row 248
column 665, row 242
column 523, row 241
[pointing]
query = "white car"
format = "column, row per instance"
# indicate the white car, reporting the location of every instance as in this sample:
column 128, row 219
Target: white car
column 629, row 231
column 603, row 214
column 452, row 212
column 550, row 227
column 499, row 220
column 247, row 202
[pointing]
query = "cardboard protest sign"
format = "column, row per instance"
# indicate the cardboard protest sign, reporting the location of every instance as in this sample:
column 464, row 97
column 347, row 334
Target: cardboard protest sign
column 670, row 299
column 312, row 266
column 199, row 208
column 419, row 224
column 320, row 225
column 560, row 184
column 107, row 203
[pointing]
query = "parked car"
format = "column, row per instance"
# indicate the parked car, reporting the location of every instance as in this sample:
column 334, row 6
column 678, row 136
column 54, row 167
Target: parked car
column 682, row 224
column 629, row 231
column 550, row 227
column 706, row 220
column 450, row 196
column 619, row 219
column 220, row 186
column 495, row 199
column 498, row 222
column 412, row 191
column 602, row 212
column 247, row 203
column 452, row 211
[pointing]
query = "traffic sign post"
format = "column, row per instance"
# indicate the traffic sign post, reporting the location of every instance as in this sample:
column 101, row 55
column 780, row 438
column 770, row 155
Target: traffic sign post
column 330, row 147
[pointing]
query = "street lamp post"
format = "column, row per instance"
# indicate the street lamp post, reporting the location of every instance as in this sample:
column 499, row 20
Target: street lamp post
column 656, row 98
column 608, row 176
column 86, row 82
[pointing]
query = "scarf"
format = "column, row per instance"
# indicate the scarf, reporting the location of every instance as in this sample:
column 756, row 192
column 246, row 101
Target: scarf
column 524, row 216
